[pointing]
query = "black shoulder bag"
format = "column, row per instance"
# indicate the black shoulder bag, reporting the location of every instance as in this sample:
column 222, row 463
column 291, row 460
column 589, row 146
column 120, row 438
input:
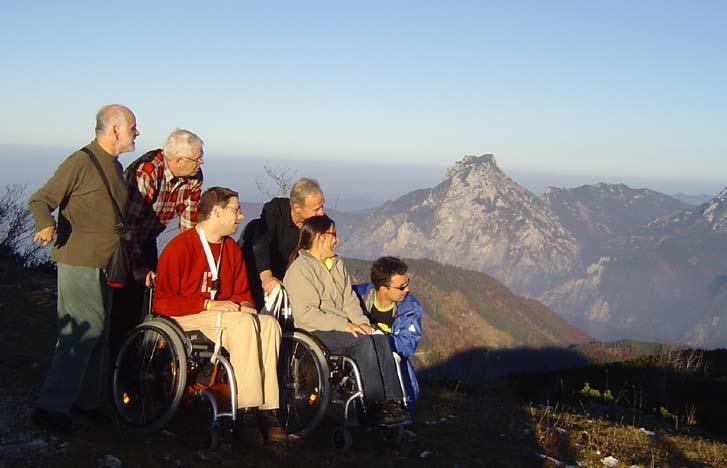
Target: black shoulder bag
column 119, row 267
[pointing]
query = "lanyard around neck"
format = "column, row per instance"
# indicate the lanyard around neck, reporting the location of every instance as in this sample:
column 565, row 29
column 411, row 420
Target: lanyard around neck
column 214, row 267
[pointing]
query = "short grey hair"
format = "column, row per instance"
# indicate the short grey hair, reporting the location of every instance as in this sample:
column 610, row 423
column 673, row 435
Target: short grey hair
column 181, row 142
column 302, row 188
column 110, row 115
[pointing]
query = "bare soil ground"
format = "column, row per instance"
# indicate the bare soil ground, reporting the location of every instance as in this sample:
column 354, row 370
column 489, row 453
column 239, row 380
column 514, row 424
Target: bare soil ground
column 453, row 428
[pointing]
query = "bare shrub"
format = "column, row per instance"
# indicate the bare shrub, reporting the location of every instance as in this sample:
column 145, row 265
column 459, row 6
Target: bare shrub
column 280, row 183
column 681, row 359
column 17, row 229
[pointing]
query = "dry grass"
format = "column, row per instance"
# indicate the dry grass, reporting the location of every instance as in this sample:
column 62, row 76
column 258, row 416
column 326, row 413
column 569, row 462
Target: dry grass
column 454, row 427
column 576, row 437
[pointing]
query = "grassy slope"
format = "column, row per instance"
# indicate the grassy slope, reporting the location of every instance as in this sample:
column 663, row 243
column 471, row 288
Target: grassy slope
column 466, row 309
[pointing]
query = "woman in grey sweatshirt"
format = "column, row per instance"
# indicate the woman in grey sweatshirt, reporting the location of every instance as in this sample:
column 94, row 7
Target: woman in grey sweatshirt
column 324, row 303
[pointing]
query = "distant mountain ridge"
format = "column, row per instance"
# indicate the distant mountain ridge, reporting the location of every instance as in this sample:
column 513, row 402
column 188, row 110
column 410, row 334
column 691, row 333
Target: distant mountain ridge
column 667, row 280
column 476, row 218
column 595, row 213
column 618, row 262
column 693, row 200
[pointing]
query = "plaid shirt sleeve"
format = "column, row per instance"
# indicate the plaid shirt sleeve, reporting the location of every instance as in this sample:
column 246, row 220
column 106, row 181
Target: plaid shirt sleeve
column 188, row 216
column 141, row 197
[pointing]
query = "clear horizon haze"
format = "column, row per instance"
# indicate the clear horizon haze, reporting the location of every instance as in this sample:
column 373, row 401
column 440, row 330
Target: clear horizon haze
column 619, row 89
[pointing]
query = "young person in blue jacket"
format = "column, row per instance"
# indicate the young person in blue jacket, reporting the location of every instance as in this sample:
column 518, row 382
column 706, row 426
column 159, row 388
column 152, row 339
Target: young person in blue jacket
column 395, row 311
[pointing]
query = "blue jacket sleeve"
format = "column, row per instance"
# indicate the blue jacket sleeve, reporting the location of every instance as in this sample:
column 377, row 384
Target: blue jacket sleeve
column 407, row 330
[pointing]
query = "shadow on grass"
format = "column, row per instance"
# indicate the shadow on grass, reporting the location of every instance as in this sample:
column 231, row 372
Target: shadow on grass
column 555, row 376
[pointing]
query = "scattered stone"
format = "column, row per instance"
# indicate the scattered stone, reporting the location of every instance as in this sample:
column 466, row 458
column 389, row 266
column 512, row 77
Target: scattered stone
column 552, row 460
column 648, row 433
column 109, row 461
column 37, row 444
column 425, row 454
column 609, row 462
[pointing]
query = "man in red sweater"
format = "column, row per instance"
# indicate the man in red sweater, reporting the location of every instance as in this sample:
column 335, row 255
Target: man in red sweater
column 202, row 279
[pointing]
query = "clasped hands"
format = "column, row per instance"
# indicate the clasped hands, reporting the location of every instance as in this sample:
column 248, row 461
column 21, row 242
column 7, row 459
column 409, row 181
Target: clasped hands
column 230, row 306
column 359, row 328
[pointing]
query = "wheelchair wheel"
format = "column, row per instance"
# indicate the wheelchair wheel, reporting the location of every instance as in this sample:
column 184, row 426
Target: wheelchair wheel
column 304, row 386
column 150, row 375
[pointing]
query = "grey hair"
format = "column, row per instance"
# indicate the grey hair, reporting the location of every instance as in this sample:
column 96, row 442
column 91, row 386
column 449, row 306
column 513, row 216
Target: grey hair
column 181, row 142
column 110, row 115
column 302, row 188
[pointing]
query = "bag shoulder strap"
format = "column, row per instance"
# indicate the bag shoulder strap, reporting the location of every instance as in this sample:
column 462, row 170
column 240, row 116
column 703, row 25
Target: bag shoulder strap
column 117, row 210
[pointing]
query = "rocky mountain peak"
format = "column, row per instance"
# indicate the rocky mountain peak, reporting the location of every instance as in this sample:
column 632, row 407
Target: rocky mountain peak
column 478, row 218
column 472, row 164
column 715, row 212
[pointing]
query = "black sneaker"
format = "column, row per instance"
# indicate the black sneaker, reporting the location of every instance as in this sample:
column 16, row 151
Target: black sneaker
column 96, row 416
column 394, row 413
column 53, row 421
column 273, row 432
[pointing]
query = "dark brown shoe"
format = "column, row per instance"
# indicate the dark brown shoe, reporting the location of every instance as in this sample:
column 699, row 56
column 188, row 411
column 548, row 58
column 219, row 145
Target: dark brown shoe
column 394, row 413
column 96, row 416
column 249, row 436
column 276, row 435
column 247, row 430
column 57, row 423
column 271, row 427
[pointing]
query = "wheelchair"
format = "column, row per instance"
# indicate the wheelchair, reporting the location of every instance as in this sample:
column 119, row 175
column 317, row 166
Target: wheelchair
column 159, row 365
column 315, row 383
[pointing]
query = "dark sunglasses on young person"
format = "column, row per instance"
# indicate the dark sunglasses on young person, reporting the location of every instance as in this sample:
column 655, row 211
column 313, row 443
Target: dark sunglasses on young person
column 402, row 287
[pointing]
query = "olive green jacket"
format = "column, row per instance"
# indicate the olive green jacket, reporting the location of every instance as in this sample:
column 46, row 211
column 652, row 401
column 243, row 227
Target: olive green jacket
column 85, row 233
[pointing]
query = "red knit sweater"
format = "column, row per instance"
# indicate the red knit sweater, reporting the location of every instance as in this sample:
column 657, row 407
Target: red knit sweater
column 183, row 275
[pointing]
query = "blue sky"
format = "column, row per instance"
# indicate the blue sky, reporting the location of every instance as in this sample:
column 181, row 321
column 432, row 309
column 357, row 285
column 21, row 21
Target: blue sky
column 613, row 88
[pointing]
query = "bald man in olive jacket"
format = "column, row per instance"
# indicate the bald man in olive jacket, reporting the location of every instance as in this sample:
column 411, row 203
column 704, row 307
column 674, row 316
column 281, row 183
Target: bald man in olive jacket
column 83, row 242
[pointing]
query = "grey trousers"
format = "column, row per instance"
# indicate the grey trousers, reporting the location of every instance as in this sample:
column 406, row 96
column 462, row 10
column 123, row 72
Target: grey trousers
column 374, row 358
column 77, row 375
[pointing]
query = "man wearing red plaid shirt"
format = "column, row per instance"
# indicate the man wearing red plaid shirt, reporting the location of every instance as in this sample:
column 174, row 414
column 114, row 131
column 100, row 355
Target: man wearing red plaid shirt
column 163, row 184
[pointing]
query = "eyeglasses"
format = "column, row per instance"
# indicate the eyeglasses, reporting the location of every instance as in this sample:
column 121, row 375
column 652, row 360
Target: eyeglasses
column 199, row 160
column 236, row 208
column 333, row 233
column 402, row 287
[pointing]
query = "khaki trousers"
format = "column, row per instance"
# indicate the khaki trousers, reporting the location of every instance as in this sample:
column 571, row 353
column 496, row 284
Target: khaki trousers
column 253, row 342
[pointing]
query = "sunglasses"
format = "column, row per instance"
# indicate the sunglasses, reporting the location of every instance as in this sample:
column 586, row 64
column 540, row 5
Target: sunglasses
column 402, row 287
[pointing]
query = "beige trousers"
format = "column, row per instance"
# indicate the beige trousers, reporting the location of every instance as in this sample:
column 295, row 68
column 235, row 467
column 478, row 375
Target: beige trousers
column 253, row 342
